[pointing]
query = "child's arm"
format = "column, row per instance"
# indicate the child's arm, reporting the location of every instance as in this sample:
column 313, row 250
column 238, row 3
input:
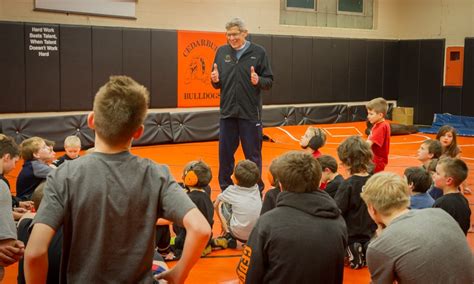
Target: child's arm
column 36, row 254
column 198, row 232
column 40, row 170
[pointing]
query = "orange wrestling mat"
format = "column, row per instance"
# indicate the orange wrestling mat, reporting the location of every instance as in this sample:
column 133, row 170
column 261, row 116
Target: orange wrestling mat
column 219, row 266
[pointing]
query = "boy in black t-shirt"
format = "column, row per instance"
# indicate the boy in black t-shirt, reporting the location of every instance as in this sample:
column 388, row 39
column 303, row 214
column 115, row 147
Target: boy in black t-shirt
column 356, row 157
column 330, row 177
column 450, row 173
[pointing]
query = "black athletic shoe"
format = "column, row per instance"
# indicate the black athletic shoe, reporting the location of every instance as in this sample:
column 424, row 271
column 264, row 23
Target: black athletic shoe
column 356, row 255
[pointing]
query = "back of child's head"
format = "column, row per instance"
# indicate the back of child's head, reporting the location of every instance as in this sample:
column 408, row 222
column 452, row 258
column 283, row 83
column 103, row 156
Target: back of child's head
column 355, row 154
column 327, row 162
column 298, row 172
column 386, row 192
column 454, row 168
column 420, row 178
column 246, row 173
column 379, row 105
column 8, row 146
column 38, row 195
column 72, row 142
column 451, row 150
column 197, row 174
column 434, row 147
column 272, row 174
column 120, row 107
column 31, row 146
column 317, row 140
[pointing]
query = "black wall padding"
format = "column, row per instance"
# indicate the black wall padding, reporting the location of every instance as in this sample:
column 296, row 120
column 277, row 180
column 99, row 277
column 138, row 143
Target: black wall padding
column 375, row 67
column 55, row 128
column 340, row 70
column 42, row 73
column 357, row 69
column 106, row 55
column 282, row 70
column 12, row 67
column 409, row 75
column 356, row 113
column 137, row 55
column 322, row 70
column 266, row 42
column 321, row 114
column 301, row 70
column 157, row 130
column 195, row 126
column 278, row 116
column 468, row 78
column 76, row 67
column 451, row 100
column 391, row 69
column 164, row 68
column 431, row 80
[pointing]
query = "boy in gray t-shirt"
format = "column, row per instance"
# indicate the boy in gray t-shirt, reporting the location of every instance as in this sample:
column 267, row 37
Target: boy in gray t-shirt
column 11, row 250
column 417, row 246
column 109, row 201
column 238, row 206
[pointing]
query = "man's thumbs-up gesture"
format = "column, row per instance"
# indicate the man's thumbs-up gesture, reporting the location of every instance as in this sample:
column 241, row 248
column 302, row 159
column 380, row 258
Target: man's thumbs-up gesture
column 215, row 74
column 253, row 76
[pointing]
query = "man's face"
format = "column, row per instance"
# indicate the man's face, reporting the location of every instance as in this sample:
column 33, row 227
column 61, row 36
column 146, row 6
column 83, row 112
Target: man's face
column 373, row 116
column 72, row 152
column 423, row 153
column 235, row 37
column 9, row 163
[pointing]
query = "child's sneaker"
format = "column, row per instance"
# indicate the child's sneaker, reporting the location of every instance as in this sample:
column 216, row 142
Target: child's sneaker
column 206, row 251
column 356, row 255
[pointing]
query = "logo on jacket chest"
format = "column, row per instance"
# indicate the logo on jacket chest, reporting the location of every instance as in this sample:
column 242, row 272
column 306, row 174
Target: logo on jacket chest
column 227, row 58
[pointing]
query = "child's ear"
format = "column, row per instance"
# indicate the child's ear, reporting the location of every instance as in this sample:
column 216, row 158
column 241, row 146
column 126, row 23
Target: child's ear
column 139, row 132
column 90, row 120
column 449, row 181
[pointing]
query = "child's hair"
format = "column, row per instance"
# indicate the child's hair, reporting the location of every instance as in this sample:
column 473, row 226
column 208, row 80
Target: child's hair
column 327, row 161
column 246, row 173
column 432, row 165
column 434, row 147
column 454, row 168
column 356, row 154
column 298, row 172
column 8, row 146
column 49, row 143
column 379, row 105
column 120, row 108
column 38, row 195
column 272, row 174
column 420, row 178
column 197, row 174
column 452, row 150
column 30, row 146
column 72, row 141
column 386, row 192
column 318, row 138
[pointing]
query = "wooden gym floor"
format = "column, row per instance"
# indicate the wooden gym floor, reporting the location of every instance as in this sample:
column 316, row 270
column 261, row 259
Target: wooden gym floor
column 219, row 266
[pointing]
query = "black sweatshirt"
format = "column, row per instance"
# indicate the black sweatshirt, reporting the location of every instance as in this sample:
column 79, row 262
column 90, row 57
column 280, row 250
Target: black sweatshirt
column 238, row 97
column 302, row 240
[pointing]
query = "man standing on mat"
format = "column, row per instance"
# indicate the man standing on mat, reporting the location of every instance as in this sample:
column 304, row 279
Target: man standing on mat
column 241, row 70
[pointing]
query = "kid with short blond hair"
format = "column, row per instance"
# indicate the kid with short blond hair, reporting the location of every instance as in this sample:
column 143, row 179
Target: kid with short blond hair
column 36, row 153
column 356, row 157
column 412, row 243
column 450, row 173
column 379, row 138
column 72, row 147
column 113, row 198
